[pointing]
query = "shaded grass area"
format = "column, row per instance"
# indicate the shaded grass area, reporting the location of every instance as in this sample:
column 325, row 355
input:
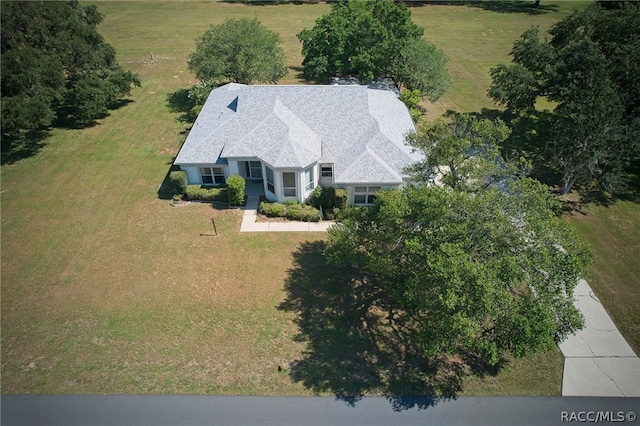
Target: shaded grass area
column 106, row 288
column 353, row 351
column 349, row 353
column 613, row 230
column 507, row 6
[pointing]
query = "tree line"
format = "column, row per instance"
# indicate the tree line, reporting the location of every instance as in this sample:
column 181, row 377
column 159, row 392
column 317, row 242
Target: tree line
column 56, row 67
column 366, row 39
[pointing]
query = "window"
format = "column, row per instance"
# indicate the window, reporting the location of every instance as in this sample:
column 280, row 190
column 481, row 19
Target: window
column 270, row 181
column 308, row 179
column 206, row 174
column 218, row 175
column 289, row 184
column 212, row 175
column 365, row 195
column 326, row 171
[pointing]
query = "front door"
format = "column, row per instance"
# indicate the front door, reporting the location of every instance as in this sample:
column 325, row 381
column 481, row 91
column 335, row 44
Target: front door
column 254, row 170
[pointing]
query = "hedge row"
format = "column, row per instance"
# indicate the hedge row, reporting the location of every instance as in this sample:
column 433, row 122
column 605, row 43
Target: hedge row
column 301, row 212
column 206, row 193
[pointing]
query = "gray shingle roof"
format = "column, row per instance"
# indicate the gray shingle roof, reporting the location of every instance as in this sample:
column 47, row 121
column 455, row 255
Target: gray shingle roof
column 358, row 129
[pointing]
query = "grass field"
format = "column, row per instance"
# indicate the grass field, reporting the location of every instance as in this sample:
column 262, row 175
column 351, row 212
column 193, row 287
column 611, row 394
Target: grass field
column 108, row 289
column 614, row 234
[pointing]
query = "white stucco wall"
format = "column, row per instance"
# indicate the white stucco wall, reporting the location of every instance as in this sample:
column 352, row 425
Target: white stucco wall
column 193, row 176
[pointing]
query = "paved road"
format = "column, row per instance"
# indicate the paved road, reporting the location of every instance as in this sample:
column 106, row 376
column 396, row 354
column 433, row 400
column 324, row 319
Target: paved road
column 226, row 410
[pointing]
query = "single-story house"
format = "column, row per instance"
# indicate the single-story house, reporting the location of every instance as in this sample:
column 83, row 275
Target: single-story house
column 286, row 140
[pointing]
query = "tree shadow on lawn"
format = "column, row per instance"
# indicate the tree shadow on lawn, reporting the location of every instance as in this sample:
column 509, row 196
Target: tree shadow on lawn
column 273, row 2
column 180, row 102
column 29, row 144
column 14, row 149
column 585, row 195
column 299, row 75
column 352, row 351
column 66, row 119
column 166, row 191
column 177, row 102
column 528, row 7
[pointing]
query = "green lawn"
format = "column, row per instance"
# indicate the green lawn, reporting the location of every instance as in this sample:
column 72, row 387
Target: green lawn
column 614, row 234
column 108, row 289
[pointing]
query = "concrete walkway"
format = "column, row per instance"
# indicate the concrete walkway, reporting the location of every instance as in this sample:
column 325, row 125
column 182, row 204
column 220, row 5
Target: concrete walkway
column 598, row 361
column 249, row 223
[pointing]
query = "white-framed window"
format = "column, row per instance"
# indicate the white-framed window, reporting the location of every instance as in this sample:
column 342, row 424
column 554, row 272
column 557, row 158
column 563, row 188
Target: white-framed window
column 308, row 179
column 289, row 184
column 212, row 175
column 326, row 170
column 271, row 186
column 365, row 195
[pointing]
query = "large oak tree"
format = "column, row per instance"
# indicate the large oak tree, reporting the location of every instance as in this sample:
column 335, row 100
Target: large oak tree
column 373, row 39
column 238, row 50
column 478, row 266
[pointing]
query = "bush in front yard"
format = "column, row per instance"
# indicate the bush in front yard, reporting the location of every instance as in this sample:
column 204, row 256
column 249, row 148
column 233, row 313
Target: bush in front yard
column 272, row 209
column 329, row 199
column 303, row 213
column 341, row 198
column 292, row 211
column 179, row 181
column 205, row 193
column 318, row 197
column 235, row 187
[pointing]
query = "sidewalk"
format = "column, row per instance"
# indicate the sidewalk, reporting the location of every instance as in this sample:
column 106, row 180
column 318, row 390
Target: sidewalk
column 598, row 361
column 249, row 223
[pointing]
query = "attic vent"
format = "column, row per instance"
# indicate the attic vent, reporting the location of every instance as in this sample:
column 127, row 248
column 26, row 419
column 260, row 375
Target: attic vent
column 233, row 106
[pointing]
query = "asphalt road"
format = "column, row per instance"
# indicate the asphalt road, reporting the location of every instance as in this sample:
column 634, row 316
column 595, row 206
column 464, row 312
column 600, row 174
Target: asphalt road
column 228, row 410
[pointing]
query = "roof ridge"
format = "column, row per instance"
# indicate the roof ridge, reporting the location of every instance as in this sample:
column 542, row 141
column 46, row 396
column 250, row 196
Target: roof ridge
column 252, row 131
column 296, row 147
column 382, row 161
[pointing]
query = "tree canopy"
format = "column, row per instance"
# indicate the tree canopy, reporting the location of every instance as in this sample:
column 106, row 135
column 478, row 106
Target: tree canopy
column 240, row 51
column 462, row 153
column 461, row 266
column 55, row 65
column 373, row 39
column 590, row 69
column 489, row 274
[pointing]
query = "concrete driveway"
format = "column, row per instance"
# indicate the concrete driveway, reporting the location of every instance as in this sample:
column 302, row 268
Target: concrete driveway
column 598, row 360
